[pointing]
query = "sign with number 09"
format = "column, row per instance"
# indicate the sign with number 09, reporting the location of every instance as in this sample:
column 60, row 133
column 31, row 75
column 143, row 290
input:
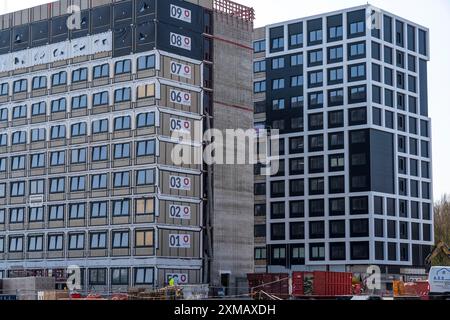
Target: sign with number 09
column 179, row 241
column 180, row 13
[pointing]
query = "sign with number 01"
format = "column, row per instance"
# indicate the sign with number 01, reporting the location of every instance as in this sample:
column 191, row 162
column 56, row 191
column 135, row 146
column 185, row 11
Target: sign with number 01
column 179, row 240
column 180, row 13
column 180, row 212
column 177, row 96
column 180, row 69
column 180, row 278
column 180, row 183
column 179, row 41
column 180, row 125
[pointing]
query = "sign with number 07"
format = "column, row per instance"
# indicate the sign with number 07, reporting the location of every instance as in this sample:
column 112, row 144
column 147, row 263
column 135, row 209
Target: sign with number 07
column 180, row 69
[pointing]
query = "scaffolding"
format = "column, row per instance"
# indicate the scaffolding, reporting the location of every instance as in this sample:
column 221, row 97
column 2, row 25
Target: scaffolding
column 235, row 10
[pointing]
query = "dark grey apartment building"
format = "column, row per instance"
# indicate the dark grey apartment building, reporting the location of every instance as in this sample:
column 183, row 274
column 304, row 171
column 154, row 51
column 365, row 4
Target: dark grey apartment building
column 90, row 95
column 348, row 92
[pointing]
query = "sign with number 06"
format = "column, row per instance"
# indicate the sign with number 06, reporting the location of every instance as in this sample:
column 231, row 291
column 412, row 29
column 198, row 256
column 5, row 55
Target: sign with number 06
column 179, row 240
column 177, row 96
column 180, row 212
column 179, row 41
column 180, row 69
column 180, row 183
column 180, row 13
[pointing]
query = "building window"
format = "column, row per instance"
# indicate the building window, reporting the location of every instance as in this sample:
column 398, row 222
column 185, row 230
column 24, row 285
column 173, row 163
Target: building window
column 20, row 86
column 78, row 129
column 59, row 79
column 78, row 156
column 145, row 206
column 20, row 112
column 99, row 209
column 259, row 66
column 260, row 253
column 18, row 137
column 79, row 102
column 97, row 277
column 17, row 189
column 144, row 238
column 99, row 181
column 356, row 50
column 315, row 100
column 296, row 60
column 77, row 211
column 335, row 54
column 315, row 58
column 146, row 63
column 101, row 98
column 122, row 95
column 145, row 148
column 259, row 86
column 120, row 240
column 15, row 244
column 337, row 207
column 100, row 126
column 39, row 83
column 119, row 277
column 277, row 63
column 58, row 132
column 56, row 213
column 98, row 240
column 145, row 177
column 36, row 214
column 79, row 75
column 77, row 184
column 259, row 46
column 278, row 104
column 101, row 71
column 122, row 151
column 317, row 252
column 76, row 241
column 4, row 89
column 145, row 120
column 122, row 67
column 143, row 276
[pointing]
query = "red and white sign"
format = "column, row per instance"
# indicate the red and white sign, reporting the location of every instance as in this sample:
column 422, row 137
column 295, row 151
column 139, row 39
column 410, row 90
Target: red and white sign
column 180, row 13
column 180, row 69
column 179, row 241
column 179, row 41
column 180, row 212
column 180, row 183
column 178, row 125
column 179, row 278
column 180, row 97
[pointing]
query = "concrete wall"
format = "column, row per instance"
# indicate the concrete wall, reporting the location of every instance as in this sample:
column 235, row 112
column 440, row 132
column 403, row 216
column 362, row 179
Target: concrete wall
column 233, row 216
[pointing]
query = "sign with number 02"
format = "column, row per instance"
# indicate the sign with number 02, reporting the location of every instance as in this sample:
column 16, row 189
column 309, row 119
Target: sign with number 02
column 180, row 212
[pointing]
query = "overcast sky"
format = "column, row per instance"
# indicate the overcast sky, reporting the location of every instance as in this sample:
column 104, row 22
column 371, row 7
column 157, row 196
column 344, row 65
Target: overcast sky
column 434, row 14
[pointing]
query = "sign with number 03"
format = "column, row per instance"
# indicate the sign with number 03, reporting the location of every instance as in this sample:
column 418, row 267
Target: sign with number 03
column 180, row 69
column 180, row 125
column 179, row 240
column 180, row 13
column 180, row 212
column 180, row 183
column 177, row 96
column 179, row 41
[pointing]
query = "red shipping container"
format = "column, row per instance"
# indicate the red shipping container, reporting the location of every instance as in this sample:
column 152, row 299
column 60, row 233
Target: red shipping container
column 297, row 284
column 323, row 283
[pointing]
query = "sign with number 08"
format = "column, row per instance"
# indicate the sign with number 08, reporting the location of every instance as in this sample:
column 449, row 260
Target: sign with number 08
column 179, row 41
column 179, row 241
column 180, row 183
column 180, row 69
column 180, row 212
column 180, row 13
column 177, row 96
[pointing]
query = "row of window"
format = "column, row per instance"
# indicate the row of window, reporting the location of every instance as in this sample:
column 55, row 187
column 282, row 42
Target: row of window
column 358, row 228
column 79, row 211
column 337, row 207
column 119, row 239
column 79, row 75
column 78, row 103
column 93, row 182
column 294, row 254
column 79, row 129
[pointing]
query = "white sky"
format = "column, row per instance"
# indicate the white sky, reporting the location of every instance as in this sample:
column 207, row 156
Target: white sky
column 434, row 14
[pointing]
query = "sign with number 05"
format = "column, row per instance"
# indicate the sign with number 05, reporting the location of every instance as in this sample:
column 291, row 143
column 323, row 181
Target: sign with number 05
column 180, row 13
column 179, row 240
column 177, row 96
column 180, row 212
column 179, row 41
column 180, row 125
column 180, row 69
column 180, row 183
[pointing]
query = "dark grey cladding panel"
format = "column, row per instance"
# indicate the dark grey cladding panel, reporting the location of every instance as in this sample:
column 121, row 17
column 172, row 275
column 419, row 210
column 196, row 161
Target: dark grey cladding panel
column 315, row 24
column 40, row 33
column 5, row 41
column 83, row 29
column 382, row 161
column 356, row 16
column 295, row 28
column 360, row 147
column 123, row 12
column 277, row 32
column 423, row 85
column 165, row 13
column 21, row 37
column 60, row 32
column 122, row 40
column 334, row 21
column 163, row 41
column 145, row 36
column 101, row 19
column 145, row 8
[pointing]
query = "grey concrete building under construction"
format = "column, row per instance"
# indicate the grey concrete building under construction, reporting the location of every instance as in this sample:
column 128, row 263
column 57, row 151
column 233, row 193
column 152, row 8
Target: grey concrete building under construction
column 90, row 95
